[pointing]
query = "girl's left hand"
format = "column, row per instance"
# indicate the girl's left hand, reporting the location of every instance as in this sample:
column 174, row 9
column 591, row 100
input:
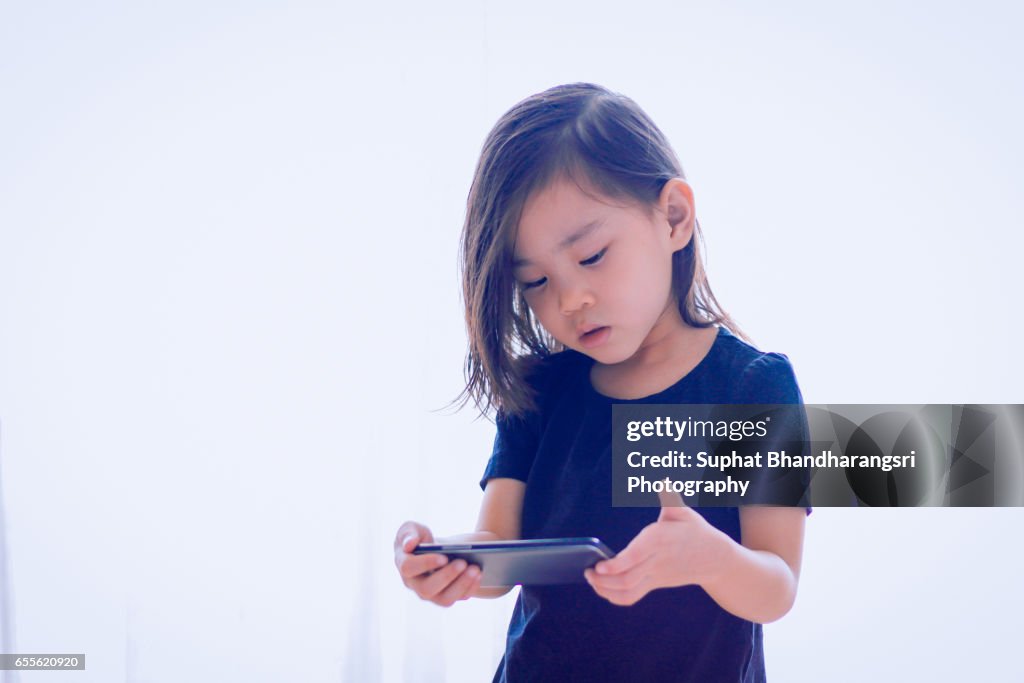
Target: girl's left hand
column 679, row 549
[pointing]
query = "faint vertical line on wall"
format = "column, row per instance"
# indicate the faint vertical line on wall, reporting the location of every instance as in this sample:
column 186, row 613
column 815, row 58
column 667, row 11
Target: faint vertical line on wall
column 130, row 653
column 362, row 663
column 485, row 62
column 6, row 598
column 425, row 660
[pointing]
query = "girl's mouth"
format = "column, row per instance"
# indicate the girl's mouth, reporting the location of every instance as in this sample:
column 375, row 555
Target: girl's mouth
column 595, row 337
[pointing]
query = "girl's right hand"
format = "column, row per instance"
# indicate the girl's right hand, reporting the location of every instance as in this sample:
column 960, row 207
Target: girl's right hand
column 431, row 576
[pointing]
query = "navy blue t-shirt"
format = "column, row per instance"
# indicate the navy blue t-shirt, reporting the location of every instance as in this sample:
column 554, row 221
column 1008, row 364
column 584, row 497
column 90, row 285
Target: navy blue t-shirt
column 563, row 453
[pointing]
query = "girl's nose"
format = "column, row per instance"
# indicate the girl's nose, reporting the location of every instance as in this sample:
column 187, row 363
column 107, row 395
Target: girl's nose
column 573, row 297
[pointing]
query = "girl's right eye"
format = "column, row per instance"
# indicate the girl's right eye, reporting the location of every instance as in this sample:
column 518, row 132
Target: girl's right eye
column 534, row 283
column 596, row 258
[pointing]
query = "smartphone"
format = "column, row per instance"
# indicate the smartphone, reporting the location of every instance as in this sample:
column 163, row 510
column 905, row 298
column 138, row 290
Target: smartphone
column 530, row 562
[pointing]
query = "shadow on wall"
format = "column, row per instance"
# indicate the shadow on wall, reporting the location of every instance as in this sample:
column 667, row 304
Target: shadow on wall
column 6, row 606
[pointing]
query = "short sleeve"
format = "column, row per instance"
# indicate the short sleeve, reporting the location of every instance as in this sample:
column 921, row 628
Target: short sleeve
column 769, row 380
column 515, row 445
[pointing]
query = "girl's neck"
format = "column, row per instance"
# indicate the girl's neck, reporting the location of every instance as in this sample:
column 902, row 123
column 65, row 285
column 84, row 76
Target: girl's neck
column 666, row 342
column 669, row 353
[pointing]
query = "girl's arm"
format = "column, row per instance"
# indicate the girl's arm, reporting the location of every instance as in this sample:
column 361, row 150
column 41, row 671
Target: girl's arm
column 757, row 580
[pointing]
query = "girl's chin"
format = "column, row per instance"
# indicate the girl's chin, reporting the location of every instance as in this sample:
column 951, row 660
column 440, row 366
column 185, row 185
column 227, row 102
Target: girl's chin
column 606, row 355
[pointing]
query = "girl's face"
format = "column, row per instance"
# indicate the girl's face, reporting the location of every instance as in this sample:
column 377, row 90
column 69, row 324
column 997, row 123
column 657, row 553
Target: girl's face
column 598, row 275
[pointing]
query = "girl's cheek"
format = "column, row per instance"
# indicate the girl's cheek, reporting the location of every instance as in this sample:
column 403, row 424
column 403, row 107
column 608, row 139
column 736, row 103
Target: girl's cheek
column 541, row 305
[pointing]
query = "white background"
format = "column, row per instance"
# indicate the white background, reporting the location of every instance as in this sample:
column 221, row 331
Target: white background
column 229, row 307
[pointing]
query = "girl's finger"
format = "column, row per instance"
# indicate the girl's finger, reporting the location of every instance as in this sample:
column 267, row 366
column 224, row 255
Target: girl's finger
column 411, row 534
column 460, row 588
column 429, row 587
column 413, row 566
column 627, row 580
column 637, row 552
column 671, row 499
column 405, row 531
column 473, row 586
column 620, row 596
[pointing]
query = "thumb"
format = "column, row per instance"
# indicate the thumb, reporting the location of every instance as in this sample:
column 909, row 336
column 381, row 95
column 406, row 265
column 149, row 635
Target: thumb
column 673, row 507
column 410, row 541
column 411, row 534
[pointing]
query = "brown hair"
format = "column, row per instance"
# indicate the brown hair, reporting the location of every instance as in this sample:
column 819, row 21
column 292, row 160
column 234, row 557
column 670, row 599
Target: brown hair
column 597, row 138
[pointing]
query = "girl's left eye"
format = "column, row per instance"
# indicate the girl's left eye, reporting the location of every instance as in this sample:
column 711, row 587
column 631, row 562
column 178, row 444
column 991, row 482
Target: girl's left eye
column 595, row 258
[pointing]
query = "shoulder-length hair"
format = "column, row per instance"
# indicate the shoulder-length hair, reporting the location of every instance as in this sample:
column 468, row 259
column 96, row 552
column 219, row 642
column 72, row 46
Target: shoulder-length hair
column 599, row 139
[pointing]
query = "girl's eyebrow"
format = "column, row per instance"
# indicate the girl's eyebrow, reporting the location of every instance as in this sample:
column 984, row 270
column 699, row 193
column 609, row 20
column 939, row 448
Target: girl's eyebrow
column 564, row 244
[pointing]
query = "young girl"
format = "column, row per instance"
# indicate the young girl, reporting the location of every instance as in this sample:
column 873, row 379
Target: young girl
column 584, row 287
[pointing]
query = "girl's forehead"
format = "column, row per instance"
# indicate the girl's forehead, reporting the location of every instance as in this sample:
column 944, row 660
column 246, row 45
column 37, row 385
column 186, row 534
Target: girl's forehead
column 562, row 207
column 561, row 195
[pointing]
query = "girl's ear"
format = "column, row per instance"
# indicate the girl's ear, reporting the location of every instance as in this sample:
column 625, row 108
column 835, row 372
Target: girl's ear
column 676, row 204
